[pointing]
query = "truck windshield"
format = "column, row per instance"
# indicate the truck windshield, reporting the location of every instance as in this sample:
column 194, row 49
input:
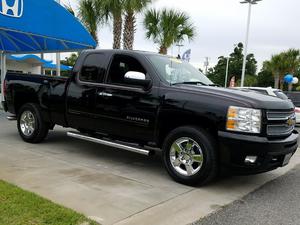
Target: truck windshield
column 175, row 71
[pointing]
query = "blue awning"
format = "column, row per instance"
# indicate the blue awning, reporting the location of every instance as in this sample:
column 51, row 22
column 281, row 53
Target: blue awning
column 52, row 66
column 34, row 59
column 30, row 26
column 29, row 59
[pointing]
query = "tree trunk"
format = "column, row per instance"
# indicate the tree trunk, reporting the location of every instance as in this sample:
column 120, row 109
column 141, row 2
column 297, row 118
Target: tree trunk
column 281, row 83
column 129, row 31
column 95, row 36
column 117, row 32
column 163, row 50
column 276, row 81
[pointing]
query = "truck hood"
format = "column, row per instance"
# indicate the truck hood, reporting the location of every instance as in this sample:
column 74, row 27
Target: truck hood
column 246, row 98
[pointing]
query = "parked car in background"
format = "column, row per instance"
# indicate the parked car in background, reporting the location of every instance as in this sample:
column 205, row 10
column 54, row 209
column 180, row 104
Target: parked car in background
column 273, row 92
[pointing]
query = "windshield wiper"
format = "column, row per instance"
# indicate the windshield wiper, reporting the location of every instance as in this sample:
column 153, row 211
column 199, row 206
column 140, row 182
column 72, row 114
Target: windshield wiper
column 192, row 83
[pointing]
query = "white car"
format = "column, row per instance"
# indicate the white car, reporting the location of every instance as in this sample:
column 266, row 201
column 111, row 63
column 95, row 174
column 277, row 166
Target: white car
column 273, row 92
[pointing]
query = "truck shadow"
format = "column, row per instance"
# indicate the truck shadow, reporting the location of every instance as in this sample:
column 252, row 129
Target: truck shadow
column 148, row 169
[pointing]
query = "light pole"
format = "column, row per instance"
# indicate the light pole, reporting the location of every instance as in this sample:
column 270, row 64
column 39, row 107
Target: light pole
column 3, row 72
column 227, row 68
column 250, row 2
column 179, row 45
column 58, row 72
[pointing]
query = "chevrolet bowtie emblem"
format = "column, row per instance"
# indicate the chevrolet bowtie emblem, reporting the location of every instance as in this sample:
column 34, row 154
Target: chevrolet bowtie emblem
column 291, row 122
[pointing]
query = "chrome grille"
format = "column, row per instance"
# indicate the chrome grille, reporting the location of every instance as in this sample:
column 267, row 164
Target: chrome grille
column 280, row 123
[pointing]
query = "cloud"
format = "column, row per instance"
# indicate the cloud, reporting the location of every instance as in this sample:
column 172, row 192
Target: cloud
column 222, row 23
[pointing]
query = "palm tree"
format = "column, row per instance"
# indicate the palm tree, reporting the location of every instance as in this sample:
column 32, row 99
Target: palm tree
column 282, row 64
column 168, row 27
column 90, row 17
column 70, row 9
column 275, row 66
column 292, row 60
column 113, row 9
column 131, row 7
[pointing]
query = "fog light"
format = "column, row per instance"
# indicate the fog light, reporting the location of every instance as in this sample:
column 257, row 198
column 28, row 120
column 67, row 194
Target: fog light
column 250, row 159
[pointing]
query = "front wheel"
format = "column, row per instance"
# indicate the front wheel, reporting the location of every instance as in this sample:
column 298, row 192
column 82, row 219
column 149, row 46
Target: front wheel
column 189, row 155
column 31, row 126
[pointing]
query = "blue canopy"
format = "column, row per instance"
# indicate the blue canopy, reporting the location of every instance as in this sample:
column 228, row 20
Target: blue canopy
column 53, row 66
column 28, row 58
column 47, row 64
column 29, row 26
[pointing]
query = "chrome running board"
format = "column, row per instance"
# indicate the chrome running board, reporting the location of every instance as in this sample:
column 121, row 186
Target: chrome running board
column 109, row 143
column 11, row 117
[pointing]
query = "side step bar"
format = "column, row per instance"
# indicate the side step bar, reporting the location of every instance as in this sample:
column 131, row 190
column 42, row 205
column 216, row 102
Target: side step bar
column 11, row 117
column 109, row 143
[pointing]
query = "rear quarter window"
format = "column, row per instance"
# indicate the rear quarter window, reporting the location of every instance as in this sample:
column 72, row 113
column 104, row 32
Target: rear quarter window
column 93, row 69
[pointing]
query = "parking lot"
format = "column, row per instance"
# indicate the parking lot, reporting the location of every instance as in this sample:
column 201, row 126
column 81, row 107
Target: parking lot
column 113, row 186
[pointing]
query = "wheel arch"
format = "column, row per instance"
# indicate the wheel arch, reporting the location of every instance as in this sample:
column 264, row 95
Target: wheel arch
column 169, row 121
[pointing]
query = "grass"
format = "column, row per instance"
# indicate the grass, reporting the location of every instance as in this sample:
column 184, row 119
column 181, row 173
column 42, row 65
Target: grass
column 19, row 207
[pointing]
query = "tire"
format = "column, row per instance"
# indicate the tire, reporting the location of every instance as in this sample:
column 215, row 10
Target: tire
column 31, row 126
column 190, row 156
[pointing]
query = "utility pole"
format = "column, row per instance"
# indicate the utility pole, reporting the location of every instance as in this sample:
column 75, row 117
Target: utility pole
column 179, row 48
column 250, row 2
column 206, row 64
column 227, row 70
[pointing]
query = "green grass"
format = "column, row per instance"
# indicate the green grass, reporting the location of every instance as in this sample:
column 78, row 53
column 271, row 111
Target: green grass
column 19, row 207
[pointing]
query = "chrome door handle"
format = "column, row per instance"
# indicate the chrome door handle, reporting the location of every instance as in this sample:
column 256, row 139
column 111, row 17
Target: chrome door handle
column 104, row 94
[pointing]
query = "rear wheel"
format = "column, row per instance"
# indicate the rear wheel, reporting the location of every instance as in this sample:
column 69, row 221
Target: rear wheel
column 31, row 126
column 189, row 155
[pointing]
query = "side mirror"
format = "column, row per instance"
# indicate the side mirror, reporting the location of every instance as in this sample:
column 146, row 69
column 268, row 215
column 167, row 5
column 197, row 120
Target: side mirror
column 137, row 79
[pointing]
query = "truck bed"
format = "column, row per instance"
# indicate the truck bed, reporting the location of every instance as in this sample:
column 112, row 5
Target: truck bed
column 48, row 91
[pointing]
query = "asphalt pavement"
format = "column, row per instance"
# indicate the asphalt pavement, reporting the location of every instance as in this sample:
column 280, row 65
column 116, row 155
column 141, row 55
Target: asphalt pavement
column 275, row 203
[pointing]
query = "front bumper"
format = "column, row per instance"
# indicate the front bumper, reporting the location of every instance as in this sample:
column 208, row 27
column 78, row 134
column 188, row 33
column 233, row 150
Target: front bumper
column 4, row 105
column 234, row 148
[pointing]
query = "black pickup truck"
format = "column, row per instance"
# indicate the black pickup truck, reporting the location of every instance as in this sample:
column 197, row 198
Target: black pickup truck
column 144, row 102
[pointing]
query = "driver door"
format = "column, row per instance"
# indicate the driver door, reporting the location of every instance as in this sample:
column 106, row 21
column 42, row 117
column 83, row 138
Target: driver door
column 129, row 110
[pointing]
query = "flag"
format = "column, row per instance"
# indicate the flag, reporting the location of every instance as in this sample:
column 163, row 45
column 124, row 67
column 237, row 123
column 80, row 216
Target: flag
column 187, row 55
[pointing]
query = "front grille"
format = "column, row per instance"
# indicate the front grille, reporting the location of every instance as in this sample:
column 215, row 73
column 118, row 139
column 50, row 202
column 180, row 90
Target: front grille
column 280, row 123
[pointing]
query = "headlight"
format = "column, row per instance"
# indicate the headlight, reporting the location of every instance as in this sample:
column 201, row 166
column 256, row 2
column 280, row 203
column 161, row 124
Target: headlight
column 243, row 120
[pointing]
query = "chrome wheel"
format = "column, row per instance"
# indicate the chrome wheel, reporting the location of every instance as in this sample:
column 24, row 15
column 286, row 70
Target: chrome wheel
column 27, row 123
column 186, row 156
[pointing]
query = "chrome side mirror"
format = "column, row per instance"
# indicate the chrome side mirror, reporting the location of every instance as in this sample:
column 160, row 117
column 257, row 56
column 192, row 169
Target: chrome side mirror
column 135, row 75
column 137, row 79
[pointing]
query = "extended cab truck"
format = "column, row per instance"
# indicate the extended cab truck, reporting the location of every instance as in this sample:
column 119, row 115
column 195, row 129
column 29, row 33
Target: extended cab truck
column 141, row 101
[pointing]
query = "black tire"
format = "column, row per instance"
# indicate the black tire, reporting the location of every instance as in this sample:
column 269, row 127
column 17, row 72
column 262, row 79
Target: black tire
column 209, row 163
column 41, row 128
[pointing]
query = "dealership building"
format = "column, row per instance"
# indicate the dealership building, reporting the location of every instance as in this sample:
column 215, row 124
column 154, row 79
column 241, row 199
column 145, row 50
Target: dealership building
column 34, row 27
column 32, row 64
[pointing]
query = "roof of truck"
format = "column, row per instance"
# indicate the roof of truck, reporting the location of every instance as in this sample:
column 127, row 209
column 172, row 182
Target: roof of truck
column 122, row 51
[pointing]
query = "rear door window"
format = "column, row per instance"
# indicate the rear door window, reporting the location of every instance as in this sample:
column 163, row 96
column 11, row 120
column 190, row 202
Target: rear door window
column 93, row 69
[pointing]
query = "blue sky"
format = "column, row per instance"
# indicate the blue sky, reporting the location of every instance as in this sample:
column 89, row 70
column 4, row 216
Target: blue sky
column 222, row 23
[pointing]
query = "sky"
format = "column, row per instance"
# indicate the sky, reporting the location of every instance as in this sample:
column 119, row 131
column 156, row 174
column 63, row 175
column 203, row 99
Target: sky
column 220, row 24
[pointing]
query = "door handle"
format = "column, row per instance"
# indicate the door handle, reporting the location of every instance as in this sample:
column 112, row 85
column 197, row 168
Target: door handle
column 104, row 94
